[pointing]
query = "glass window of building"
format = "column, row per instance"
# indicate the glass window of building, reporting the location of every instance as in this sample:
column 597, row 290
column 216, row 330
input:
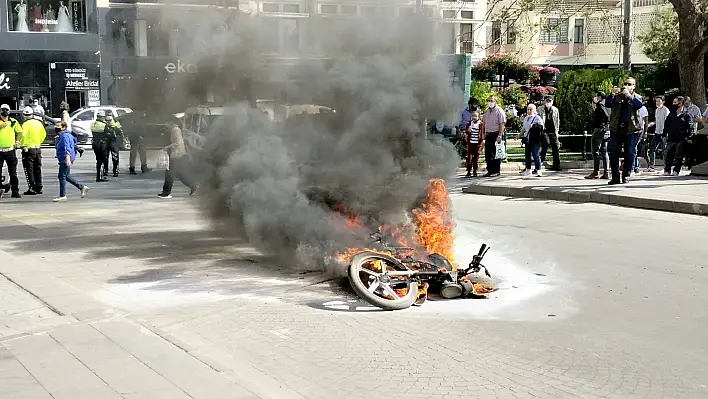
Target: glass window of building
column 292, row 8
column 496, row 32
column 270, row 7
column 467, row 14
column 328, row 9
column 510, row 32
column 349, row 10
column 47, row 16
column 579, row 31
column 554, row 30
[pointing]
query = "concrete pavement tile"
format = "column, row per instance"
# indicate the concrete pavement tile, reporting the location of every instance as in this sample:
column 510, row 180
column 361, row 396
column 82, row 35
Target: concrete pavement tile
column 578, row 196
column 502, row 191
column 183, row 370
column 130, row 376
column 84, row 393
column 519, row 192
column 599, row 197
column 557, row 195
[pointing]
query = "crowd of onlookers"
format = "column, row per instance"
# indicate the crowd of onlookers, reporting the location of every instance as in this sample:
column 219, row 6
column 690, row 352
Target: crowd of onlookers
column 622, row 127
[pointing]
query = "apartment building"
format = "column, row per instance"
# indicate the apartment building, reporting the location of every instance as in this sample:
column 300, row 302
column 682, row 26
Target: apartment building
column 465, row 23
column 572, row 33
column 49, row 53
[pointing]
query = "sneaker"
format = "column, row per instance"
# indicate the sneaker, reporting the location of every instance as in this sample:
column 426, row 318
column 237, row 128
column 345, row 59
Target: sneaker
column 84, row 191
column 468, row 174
column 132, row 172
column 115, row 174
column 675, row 173
column 666, row 174
column 651, row 169
column 164, row 196
column 145, row 170
column 592, row 175
column 59, row 199
column 15, row 194
column 29, row 192
column 613, row 182
column 538, row 174
column 525, row 172
column 605, row 176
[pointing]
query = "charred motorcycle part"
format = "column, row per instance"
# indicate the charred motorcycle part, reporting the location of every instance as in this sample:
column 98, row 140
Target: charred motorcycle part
column 382, row 281
column 451, row 290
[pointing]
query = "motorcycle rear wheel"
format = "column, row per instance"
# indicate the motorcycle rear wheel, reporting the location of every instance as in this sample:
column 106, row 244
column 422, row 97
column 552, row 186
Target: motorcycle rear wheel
column 375, row 287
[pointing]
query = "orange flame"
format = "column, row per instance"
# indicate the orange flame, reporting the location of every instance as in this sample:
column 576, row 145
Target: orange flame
column 434, row 222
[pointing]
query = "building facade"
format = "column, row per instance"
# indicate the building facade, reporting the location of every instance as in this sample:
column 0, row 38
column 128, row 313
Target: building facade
column 571, row 33
column 49, row 53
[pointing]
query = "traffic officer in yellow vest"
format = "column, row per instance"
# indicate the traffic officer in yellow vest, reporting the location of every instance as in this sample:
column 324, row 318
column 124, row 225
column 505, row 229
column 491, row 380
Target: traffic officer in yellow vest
column 114, row 133
column 33, row 134
column 100, row 145
column 10, row 135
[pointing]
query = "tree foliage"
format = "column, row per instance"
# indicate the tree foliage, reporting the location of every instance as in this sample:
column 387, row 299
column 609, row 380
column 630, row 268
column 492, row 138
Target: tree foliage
column 575, row 91
column 661, row 42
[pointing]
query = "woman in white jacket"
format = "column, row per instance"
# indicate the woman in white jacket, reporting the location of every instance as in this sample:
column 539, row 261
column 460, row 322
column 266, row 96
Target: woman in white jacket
column 532, row 137
column 64, row 109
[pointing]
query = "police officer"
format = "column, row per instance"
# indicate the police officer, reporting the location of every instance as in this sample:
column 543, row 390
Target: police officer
column 100, row 145
column 33, row 134
column 137, row 148
column 10, row 135
column 114, row 133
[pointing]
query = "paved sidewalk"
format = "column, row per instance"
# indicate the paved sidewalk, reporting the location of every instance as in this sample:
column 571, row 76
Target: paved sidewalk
column 682, row 194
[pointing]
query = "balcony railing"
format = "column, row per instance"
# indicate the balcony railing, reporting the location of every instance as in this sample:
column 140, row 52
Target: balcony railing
column 467, row 47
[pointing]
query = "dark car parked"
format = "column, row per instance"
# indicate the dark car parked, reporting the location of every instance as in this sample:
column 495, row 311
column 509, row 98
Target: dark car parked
column 49, row 125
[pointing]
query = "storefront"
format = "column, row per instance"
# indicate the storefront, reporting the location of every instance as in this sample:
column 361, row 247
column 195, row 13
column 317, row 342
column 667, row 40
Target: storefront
column 67, row 16
column 49, row 82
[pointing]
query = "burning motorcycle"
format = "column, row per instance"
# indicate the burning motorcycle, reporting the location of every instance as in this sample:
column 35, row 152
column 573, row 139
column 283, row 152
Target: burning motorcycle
column 394, row 278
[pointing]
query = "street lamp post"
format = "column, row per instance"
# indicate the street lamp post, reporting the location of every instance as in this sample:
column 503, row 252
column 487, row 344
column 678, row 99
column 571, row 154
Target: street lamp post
column 627, row 35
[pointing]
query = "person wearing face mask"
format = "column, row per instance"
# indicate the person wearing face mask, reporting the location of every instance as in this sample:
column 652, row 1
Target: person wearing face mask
column 474, row 134
column 696, row 118
column 600, row 137
column 100, row 145
column 678, row 127
column 532, row 138
column 551, row 126
column 466, row 114
column 33, row 134
column 10, row 137
column 494, row 120
column 114, row 135
column 37, row 107
column 625, row 128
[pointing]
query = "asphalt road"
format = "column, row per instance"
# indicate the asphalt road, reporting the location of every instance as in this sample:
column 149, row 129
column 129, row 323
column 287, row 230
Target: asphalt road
column 595, row 301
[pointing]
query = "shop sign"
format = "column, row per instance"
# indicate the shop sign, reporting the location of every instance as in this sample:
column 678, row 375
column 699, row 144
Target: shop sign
column 5, row 82
column 180, row 67
column 39, row 21
column 76, row 79
column 94, row 98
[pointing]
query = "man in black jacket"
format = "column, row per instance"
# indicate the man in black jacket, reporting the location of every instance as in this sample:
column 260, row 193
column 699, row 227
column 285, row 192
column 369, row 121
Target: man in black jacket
column 678, row 128
column 600, row 136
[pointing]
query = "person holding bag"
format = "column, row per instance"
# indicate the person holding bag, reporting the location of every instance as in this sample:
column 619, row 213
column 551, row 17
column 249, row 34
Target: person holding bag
column 532, row 139
column 178, row 163
column 494, row 120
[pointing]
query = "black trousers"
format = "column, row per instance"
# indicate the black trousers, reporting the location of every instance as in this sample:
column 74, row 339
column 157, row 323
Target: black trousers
column 179, row 169
column 32, row 164
column 137, row 148
column 490, row 151
column 114, row 147
column 10, row 158
column 555, row 149
column 100, row 150
column 674, row 156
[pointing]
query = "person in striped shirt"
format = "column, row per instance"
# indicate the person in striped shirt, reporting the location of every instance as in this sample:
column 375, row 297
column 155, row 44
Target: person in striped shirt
column 473, row 134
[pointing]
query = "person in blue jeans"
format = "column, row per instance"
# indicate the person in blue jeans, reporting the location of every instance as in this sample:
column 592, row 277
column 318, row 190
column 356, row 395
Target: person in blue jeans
column 532, row 137
column 66, row 155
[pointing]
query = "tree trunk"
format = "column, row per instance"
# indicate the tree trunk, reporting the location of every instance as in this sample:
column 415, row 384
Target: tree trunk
column 692, row 74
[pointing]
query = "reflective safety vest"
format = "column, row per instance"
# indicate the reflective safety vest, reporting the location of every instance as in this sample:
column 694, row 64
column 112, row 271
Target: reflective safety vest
column 9, row 132
column 33, row 133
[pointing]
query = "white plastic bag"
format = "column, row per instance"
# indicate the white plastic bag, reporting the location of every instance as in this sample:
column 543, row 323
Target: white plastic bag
column 501, row 151
column 163, row 161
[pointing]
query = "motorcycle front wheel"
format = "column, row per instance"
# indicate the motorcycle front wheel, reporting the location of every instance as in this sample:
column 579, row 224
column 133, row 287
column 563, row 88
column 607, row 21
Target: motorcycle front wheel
column 368, row 275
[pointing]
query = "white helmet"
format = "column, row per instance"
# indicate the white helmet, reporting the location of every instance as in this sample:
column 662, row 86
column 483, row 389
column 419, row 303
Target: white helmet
column 100, row 112
column 27, row 111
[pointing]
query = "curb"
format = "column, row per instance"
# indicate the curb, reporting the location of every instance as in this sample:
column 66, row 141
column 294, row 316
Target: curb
column 690, row 208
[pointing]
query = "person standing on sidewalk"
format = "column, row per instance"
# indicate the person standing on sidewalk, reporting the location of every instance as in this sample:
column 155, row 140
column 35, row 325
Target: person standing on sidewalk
column 137, row 148
column 99, row 145
column 551, row 122
column 494, row 120
column 33, row 135
column 660, row 115
column 474, row 134
column 600, row 136
column 66, row 155
column 678, row 128
column 114, row 137
column 179, row 166
column 643, row 126
column 624, row 128
column 10, row 135
column 696, row 118
column 532, row 138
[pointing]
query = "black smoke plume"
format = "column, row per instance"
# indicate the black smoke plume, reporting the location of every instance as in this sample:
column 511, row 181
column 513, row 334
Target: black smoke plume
column 290, row 187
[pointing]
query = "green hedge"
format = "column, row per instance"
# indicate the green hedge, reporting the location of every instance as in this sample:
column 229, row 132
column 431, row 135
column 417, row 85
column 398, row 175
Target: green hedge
column 575, row 91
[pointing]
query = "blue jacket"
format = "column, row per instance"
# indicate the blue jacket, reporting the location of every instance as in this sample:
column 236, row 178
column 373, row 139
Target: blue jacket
column 66, row 144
